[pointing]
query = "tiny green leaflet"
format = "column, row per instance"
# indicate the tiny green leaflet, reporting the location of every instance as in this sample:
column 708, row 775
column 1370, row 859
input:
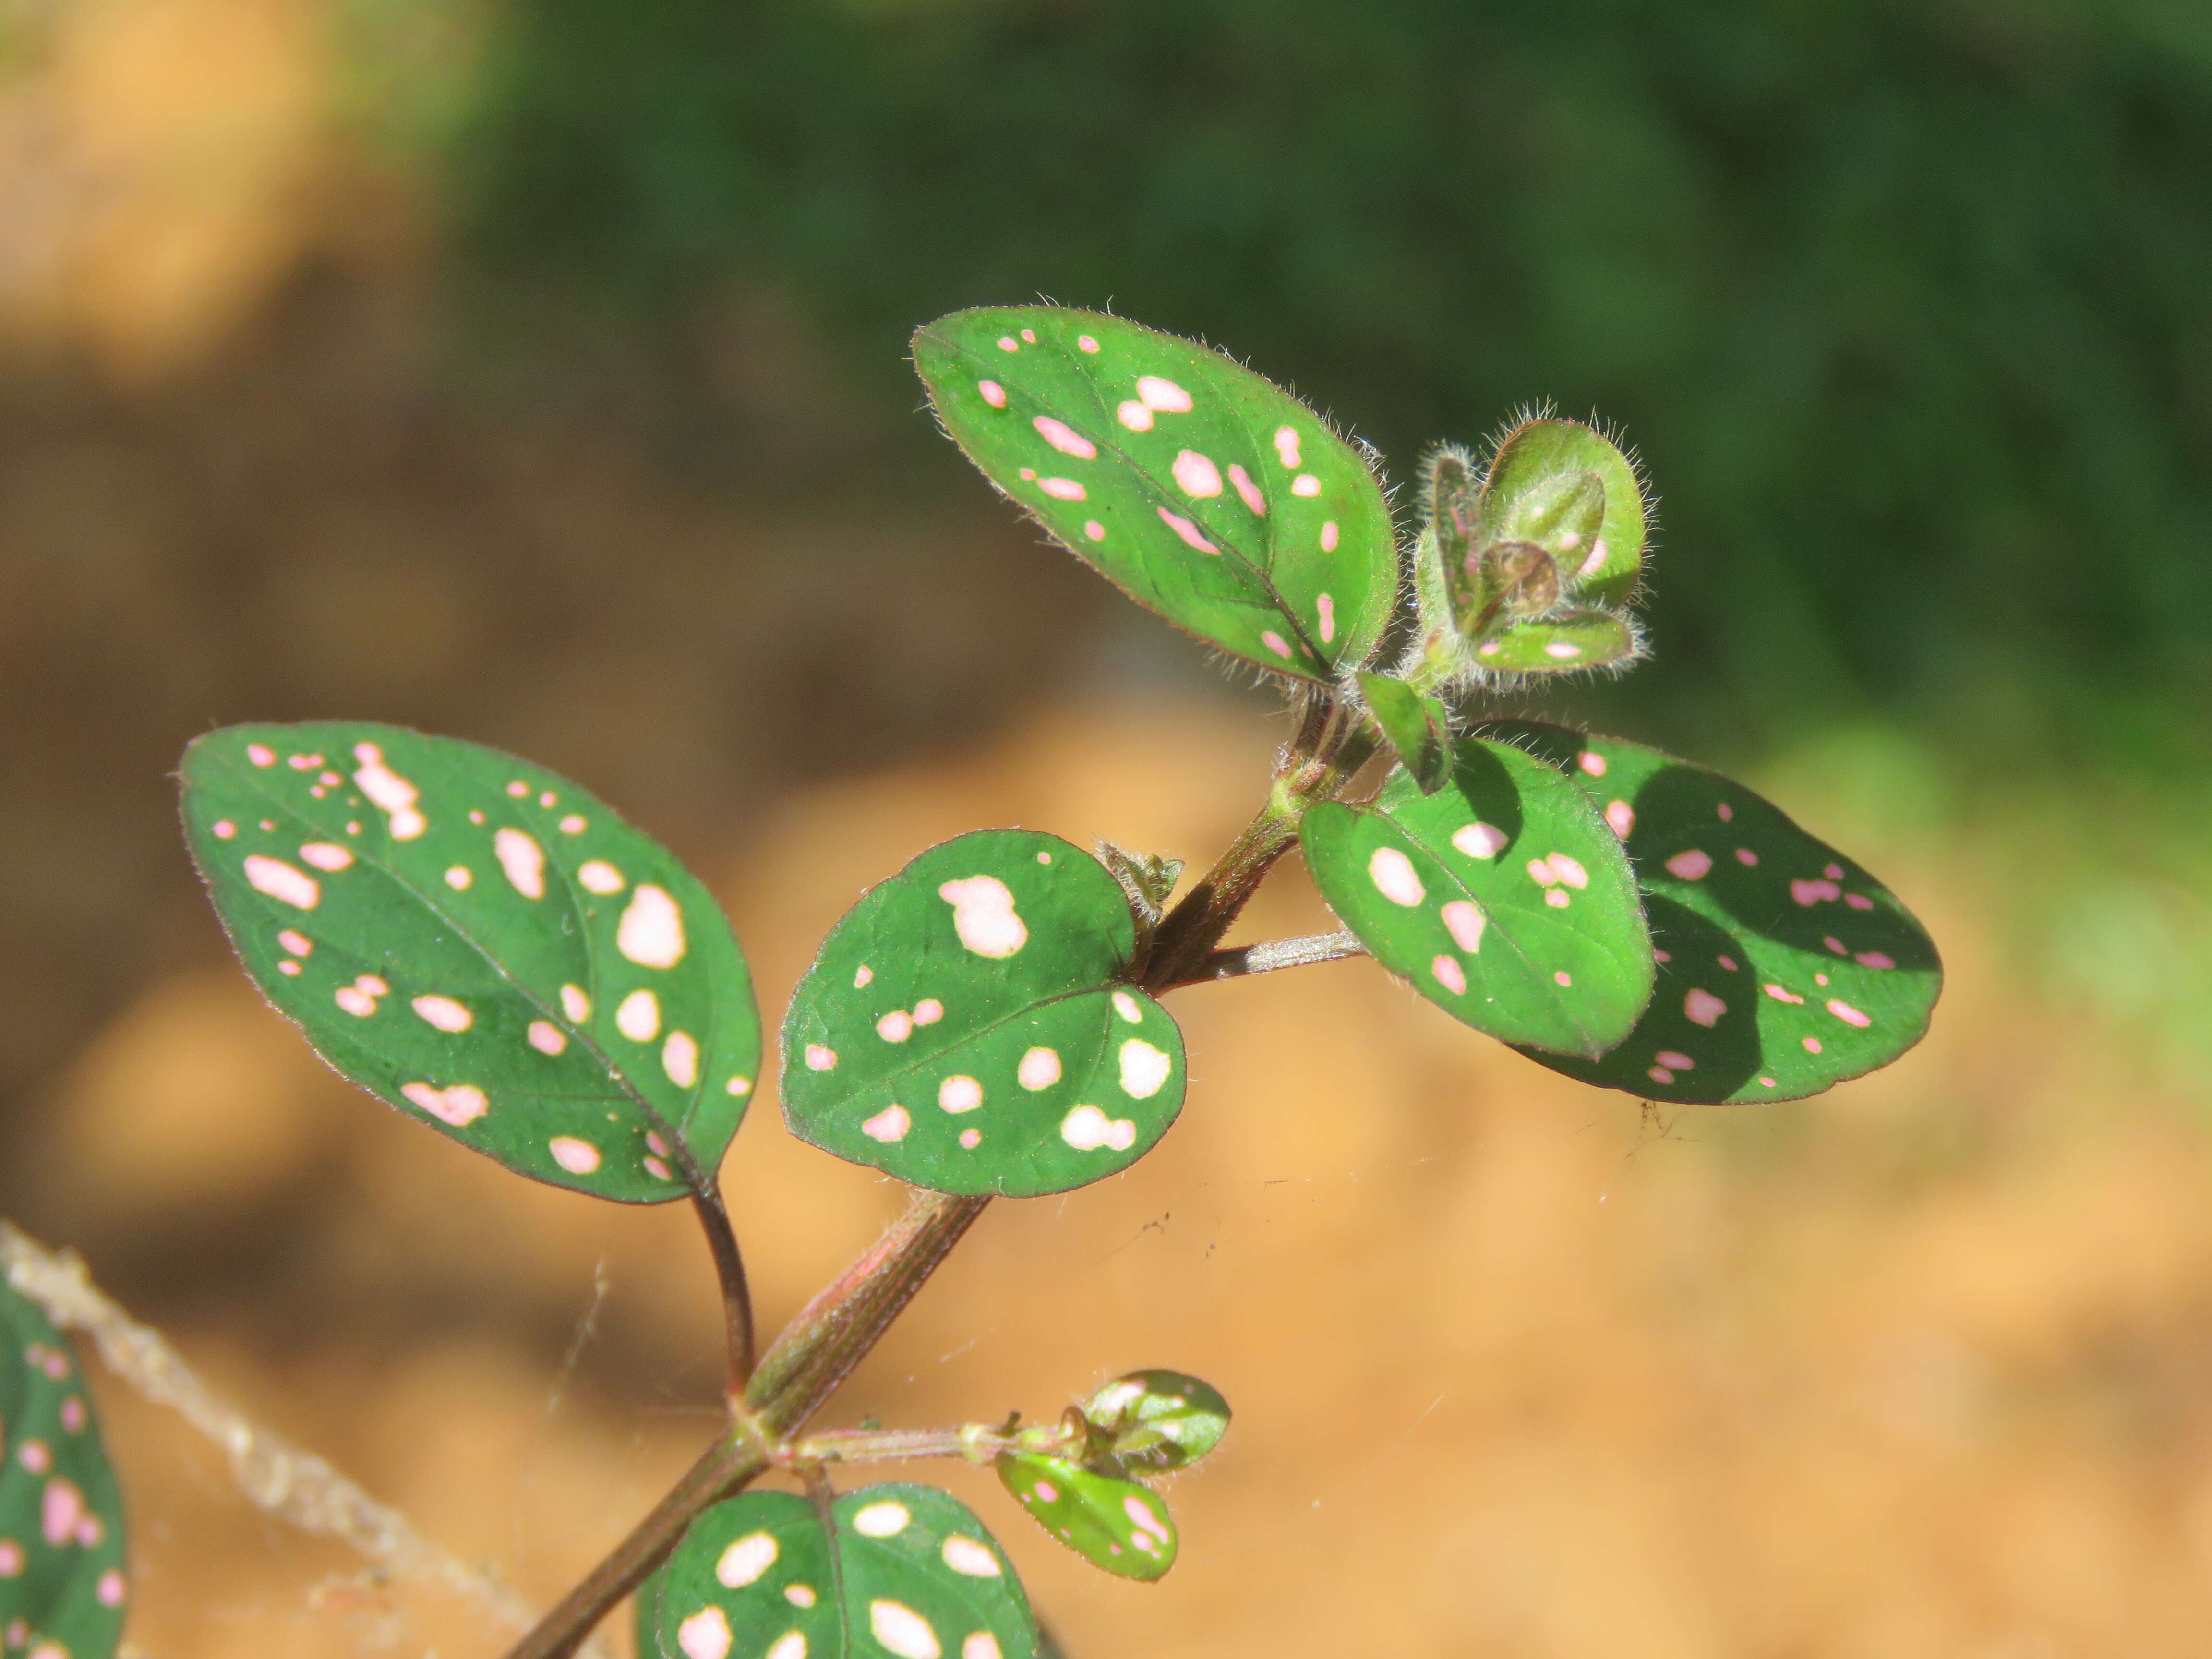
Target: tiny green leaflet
column 969, row 1026
column 1784, row 968
column 1153, row 1421
column 1199, row 488
column 1564, row 641
column 484, row 946
column 1568, row 490
column 62, row 1587
column 1504, row 899
column 910, row 1572
column 1418, row 727
column 1110, row 1522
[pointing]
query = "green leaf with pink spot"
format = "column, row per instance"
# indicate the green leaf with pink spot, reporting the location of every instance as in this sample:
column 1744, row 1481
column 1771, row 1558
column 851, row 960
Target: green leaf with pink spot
column 62, row 1587
column 1151, row 1422
column 969, row 1026
column 1784, row 968
column 1504, row 899
column 1416, row 727
column 484, row 946
column 1199, row 488
column 1564, row 642
column 905, row 1570
column 1110, row 1522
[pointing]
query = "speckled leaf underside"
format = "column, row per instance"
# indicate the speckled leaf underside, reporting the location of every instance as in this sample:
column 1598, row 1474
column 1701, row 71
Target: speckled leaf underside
column 1504, row 899
column 969, row 1026
column 910, row 1572
column 62, row 1584
column 1201, row 490
column 1111, row 1523
column 484, row 946
column 1784, row 967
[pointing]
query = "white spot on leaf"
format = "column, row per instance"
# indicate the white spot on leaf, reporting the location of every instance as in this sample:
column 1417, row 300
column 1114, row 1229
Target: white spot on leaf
column 970, row 1558
column 458, row 878
column 1064, row 438
column 298, row 943
column 960, row 1094
column 928, row 1011
column 1039, row 1069
column 282, row 882
column 1144, row 1069
column 885, row 1520
column 746, row 1559
column 1702, row 1008
column 1691, row 866
column 1450, row 974
column 576, row 1157
column 1134, row 415
column 1063, row 490
column 679, row 1058
column 1305, row 484
column 1286, row 448
column 897, row 1026
column 888, row 1125
column 1480, row 840
column 637, row 1016
column 391, row 792
column 1086, row 1128
column 1125, row 1005
column 327, row 855
column 1248, row 491
column 523, row 859
column 444, row 1012
column 546, row 1037
column 983, row 916
column 820, row 1059
column 1465, row 921
column 994, row 393
column 1196, row 475
column 460, row 1105
column 705, row 1634
column 1190, row 533
column 1394, row 877
column 1164, row 395
column 599, row 877
column 904, row 1631
column 575, row 1004
column 651, row 933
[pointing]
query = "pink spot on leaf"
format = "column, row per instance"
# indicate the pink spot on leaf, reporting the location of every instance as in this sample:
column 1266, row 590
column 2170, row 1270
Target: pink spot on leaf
column 994, row 393
column 1276, row 643
column 1325, row 609
column 1690, row 866
column 1702, row 1007
column 1248, row 490
column 1195, row 475
column 1874, row 959
column 1189, row 531
column 1064, row 438
column 1620, row 818
column 1063, row 490
column 1450, row 974
column 1849, row 1015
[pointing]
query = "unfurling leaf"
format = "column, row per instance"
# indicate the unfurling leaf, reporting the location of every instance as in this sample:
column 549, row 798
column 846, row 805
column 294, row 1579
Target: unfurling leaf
column 1150, row 1422
column 909, row 1571
column 484, row 946
column 1566, row 489
column 1110, row 1522
column 62, row 1583
column 970, row 1026
column 1417, row 726
column 1201, row 490
column 1784, row 967
column 1504, row 899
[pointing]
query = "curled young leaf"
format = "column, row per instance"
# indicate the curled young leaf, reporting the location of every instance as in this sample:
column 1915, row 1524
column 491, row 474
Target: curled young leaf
column 1153, row 1421
column 1567, row 488
column 970, row 1027
column 1784, row 968
column 1416, row 727
column 908, row 1570
column 1199, row 489
column 1110, row 1522
column 1504, row 899
column 62, row 1572
column 484, row 946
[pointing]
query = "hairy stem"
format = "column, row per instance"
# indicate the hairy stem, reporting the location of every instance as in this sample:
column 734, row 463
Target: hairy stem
column 979, row 1443
column 1276, row 953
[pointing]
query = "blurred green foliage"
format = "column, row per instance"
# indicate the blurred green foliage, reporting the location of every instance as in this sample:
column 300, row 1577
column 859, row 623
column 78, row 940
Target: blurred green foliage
column 1907, row 303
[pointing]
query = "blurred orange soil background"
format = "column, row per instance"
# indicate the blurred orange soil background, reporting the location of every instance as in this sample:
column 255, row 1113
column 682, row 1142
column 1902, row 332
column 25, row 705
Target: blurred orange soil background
column 1919, row 1369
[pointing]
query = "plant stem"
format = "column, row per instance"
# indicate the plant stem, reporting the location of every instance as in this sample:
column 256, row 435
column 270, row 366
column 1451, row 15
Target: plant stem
column 1276, row 953
column 1331, row 744
column 979, row 1443
column 737, row 1293
column 723, row 1468
column 798, row 1374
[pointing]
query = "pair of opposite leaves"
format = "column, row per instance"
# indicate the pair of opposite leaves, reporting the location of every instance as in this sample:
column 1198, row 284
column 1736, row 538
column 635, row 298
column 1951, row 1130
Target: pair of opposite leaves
column 1222, row 502
column 490, row 948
